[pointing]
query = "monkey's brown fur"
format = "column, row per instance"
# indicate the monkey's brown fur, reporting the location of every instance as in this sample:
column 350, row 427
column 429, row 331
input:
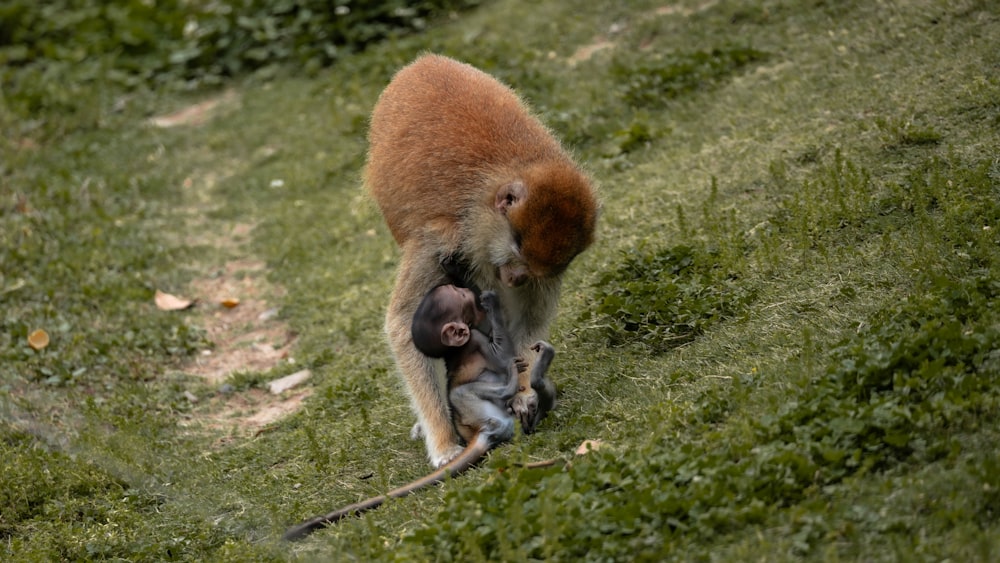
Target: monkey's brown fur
column 458, row 165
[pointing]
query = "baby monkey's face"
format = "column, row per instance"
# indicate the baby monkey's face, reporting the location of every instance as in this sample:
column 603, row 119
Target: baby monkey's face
column 461, row 302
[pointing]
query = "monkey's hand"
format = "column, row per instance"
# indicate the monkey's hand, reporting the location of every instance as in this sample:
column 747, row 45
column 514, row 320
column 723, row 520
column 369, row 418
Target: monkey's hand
column 489, row 301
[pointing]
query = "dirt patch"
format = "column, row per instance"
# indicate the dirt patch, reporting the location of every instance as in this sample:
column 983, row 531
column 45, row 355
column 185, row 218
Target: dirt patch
column 236, row 416
column 607, row 42
column 247, row 336
column 585, row 52
column 603, row 42
column 236, row 304
column 196, row 114
column 673, row 10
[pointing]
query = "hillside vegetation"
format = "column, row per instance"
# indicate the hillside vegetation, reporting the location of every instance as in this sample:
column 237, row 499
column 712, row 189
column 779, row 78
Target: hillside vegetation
column 786, row 337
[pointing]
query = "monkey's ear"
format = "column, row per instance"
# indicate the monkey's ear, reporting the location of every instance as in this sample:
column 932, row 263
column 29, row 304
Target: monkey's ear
column 509, row 195
column 455, row 334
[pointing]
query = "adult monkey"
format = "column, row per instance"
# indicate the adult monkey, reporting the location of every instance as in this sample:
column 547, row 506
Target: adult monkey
column 461, row 170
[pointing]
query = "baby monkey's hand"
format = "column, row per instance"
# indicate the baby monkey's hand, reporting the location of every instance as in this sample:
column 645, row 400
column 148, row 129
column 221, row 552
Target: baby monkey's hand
column 488, row 300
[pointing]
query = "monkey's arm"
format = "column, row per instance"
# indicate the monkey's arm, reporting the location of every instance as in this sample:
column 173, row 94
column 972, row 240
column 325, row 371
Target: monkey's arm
column 501, row 346
column 472, row 453
column 540, row 382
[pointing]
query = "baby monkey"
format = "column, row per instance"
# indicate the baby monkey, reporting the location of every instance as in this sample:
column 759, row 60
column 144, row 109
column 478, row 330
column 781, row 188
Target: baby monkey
column 482, row 370
column 533, row 407
column 482, row 377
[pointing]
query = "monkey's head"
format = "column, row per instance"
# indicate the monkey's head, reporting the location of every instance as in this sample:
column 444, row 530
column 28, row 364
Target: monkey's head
column 551, row 212
column 443, row 320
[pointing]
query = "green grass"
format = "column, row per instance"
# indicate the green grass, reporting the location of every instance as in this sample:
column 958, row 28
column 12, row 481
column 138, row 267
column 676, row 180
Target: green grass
column 786, row 333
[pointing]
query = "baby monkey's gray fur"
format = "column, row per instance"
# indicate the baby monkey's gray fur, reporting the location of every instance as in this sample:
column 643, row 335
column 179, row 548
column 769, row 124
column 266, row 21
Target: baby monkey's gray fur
column 482, row 376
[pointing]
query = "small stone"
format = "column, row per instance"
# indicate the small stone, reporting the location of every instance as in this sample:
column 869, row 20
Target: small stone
column 279, row 386
column 268, row 314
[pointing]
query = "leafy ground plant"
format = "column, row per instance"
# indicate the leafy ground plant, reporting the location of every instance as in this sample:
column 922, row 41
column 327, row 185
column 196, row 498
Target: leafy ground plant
column 785, row 336
column 666, row 298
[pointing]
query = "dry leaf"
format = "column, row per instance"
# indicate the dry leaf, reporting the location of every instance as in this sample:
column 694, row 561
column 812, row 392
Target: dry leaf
column 230, row 302
column 167, row 302
column 38, row 339
column 589, row 445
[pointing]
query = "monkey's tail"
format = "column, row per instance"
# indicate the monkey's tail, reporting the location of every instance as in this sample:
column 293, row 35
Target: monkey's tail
column 472, row 453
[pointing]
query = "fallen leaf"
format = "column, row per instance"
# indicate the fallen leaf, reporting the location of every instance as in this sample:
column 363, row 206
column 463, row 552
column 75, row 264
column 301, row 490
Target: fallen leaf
column 167, row 302
column 588, row 446
column 38, row 339
column 230, row 302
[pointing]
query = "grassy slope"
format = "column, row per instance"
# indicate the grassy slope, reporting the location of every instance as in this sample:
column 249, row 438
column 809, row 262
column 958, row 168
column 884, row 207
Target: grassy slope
column 859, row 151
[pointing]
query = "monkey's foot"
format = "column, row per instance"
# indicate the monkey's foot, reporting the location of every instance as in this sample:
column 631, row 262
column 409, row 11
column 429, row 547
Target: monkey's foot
column 525, row 407
column 449, row 454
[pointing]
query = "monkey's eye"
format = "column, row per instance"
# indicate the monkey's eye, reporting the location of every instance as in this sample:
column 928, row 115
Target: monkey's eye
column 517, row 242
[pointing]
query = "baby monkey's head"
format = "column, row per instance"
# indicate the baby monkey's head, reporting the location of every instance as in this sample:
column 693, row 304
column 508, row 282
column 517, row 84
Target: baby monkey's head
column 444, row 320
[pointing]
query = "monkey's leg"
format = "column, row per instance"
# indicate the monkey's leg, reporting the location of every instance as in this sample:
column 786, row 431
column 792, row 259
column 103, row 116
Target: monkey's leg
column 525, row 403
column 420, row 373
column 539, row 396
column 529, row 315
column 543, row 386
column 479, row 405
column 538, row 371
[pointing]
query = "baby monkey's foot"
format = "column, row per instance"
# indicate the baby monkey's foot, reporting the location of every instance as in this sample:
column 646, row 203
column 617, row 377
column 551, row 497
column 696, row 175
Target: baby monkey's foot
column 541, row 345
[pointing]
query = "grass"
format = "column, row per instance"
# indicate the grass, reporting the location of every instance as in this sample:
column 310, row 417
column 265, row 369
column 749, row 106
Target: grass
column 785, row 335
